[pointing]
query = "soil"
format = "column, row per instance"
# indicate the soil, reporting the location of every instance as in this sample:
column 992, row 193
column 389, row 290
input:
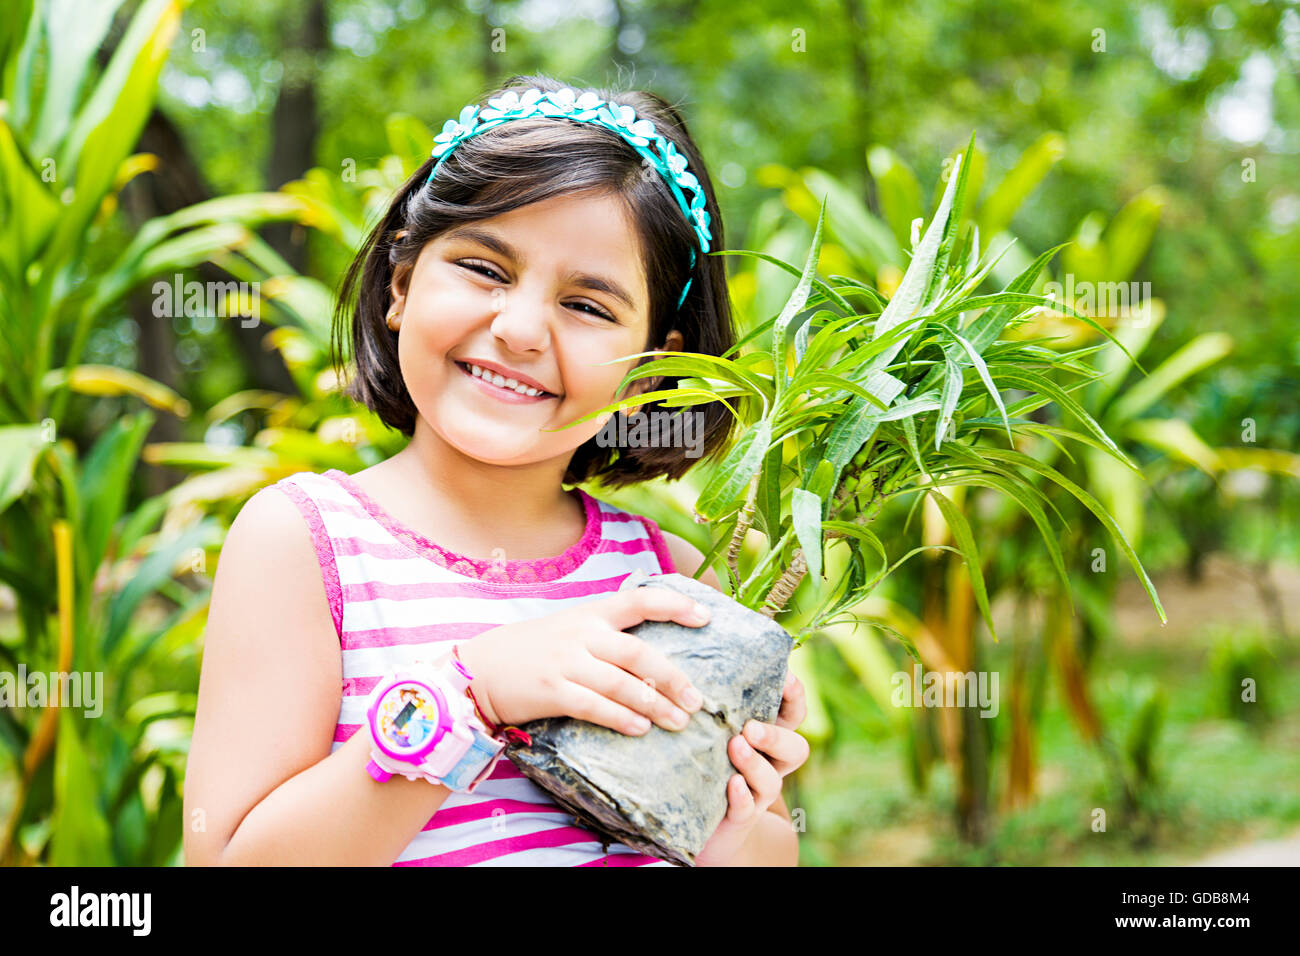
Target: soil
column 1228, row 593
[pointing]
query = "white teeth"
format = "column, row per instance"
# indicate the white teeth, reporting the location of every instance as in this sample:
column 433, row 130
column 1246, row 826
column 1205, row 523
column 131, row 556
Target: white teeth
column 504, row 382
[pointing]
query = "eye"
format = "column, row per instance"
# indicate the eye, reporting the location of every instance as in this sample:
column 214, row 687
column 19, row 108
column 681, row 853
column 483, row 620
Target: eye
column 481, row 270
column 491, row 274
column 594, row 310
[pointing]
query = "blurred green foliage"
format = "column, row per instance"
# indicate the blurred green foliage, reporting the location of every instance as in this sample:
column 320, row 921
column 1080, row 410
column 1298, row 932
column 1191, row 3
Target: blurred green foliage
column 1160, row 138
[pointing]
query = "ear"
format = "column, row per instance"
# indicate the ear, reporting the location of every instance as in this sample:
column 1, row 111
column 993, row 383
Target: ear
column 673, row 343
column 401, row 278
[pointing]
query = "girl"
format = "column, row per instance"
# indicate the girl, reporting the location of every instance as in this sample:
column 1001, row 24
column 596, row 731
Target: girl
column 490, row 304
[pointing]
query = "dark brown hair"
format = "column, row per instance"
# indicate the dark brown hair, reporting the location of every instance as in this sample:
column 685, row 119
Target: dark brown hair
column 514, row 165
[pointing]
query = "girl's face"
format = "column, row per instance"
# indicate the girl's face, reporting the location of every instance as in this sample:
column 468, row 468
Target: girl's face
column 549, row 292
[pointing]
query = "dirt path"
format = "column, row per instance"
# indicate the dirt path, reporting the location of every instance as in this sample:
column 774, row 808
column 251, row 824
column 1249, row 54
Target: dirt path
column 1227, row 592
column 1283, row 852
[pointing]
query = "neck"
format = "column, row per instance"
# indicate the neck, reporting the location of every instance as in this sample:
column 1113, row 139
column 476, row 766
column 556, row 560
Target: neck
column 519, row 496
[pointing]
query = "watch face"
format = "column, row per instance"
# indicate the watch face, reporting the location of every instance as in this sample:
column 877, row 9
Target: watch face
column 407, row 718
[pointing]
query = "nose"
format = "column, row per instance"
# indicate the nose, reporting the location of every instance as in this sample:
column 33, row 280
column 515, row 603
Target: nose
column 521, row 320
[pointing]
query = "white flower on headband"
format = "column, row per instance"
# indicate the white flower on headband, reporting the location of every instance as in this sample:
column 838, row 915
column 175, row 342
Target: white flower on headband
column 453, row 130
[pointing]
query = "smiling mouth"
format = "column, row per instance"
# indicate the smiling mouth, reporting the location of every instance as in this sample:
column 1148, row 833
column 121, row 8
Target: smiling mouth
column 491, row 377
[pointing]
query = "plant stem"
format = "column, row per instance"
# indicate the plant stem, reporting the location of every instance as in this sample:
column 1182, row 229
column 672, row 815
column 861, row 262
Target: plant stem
column 742, row 528
column 785, row 585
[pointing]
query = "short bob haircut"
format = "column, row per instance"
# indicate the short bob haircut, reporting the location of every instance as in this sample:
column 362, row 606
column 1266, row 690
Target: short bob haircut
column 514, row 165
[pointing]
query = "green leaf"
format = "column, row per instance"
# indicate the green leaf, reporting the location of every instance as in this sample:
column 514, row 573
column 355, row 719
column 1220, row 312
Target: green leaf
column 909, row 409
column 1032, row 381
column 704, row 367
column 112, row 380
column 913, row 446
column 408, row 138
column 1087, row 500
column 1021, row 180
column 109, row 125
column 856, row 426
column 806, row 513
column 727, row 486
column 951, row 392
column 861, row 533
column 71, row 54
column 862, row 235
column 910, row 296
column 1114, row 363
column 80, row 832
column 826, row 341
column 30, row 211
column 962, row 172
column 820, row 482
column 819, row 285
column 976, row 274
column 20, row 447
column 1199, row 353
column 794, row 305
column 104, row 481
column 861, row 288
column 977, row 361
column 679, row 395
column 1023, row 494
column 1119, row 491
column 154, row 571
column 961, row 533
column 1129, row 235
column 898, row 191
column 769, row 490
column 985, row 330
column 1179, row 440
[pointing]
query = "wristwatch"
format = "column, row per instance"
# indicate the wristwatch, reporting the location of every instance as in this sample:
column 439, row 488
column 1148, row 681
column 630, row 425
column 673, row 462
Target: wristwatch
column 423, row 725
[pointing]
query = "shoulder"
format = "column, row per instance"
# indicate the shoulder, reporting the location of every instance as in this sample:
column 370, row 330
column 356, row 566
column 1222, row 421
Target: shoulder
column 269, row 594
column 270, row 547
column 686, row 558
column 270, row 518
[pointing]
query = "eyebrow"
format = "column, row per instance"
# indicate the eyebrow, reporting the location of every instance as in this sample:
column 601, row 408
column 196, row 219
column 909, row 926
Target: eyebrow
column 587, row 281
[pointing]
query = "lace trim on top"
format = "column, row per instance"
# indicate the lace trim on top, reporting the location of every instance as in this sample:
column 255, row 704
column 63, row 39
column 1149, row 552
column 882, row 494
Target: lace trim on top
column 324, row 551
column 495, row 571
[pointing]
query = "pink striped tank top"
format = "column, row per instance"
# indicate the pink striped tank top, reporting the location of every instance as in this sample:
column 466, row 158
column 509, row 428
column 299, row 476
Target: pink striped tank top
column 396, row 597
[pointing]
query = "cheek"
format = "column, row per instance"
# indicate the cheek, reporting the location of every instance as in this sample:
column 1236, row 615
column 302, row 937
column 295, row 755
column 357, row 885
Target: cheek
column 593, row 383
column 422, row 355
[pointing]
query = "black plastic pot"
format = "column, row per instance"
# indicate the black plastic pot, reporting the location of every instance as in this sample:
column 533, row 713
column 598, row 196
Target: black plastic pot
column 665, row 792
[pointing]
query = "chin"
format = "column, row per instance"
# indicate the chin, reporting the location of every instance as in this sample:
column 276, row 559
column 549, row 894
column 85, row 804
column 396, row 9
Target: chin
column 482, row 444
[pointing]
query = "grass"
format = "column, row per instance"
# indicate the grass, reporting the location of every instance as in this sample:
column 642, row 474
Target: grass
column 1222, row 781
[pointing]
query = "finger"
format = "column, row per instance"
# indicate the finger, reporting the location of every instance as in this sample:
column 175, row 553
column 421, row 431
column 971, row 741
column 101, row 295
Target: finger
column 585, row 704
column 618, row 685
column 794, row 703
column 784, row 749
column 629, row 608
column 760, row 776
column 645, row 663
column 741, row 808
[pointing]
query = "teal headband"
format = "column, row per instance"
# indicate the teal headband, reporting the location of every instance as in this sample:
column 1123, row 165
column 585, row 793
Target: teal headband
column 587, row 108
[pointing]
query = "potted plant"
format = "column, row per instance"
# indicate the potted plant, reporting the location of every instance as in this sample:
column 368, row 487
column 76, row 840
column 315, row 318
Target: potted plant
column 840, row 412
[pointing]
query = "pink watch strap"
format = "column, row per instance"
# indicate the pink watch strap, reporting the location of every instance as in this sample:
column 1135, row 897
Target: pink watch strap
column 377, row 772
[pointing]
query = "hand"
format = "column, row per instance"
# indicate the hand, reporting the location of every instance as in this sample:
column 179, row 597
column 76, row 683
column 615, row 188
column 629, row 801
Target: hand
column 579, row 663
column 773, row 752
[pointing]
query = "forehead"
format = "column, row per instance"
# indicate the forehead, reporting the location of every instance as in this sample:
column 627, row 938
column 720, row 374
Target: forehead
column 585, row 237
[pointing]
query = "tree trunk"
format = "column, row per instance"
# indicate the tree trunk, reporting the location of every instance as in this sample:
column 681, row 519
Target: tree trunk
column 295, row 125
column 859, row 37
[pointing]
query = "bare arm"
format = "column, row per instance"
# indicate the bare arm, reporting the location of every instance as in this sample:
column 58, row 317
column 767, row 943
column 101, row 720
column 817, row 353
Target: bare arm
column 261, row 786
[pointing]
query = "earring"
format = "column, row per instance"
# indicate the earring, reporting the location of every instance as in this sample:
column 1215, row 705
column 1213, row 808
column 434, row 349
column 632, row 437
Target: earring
column 394, row 323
